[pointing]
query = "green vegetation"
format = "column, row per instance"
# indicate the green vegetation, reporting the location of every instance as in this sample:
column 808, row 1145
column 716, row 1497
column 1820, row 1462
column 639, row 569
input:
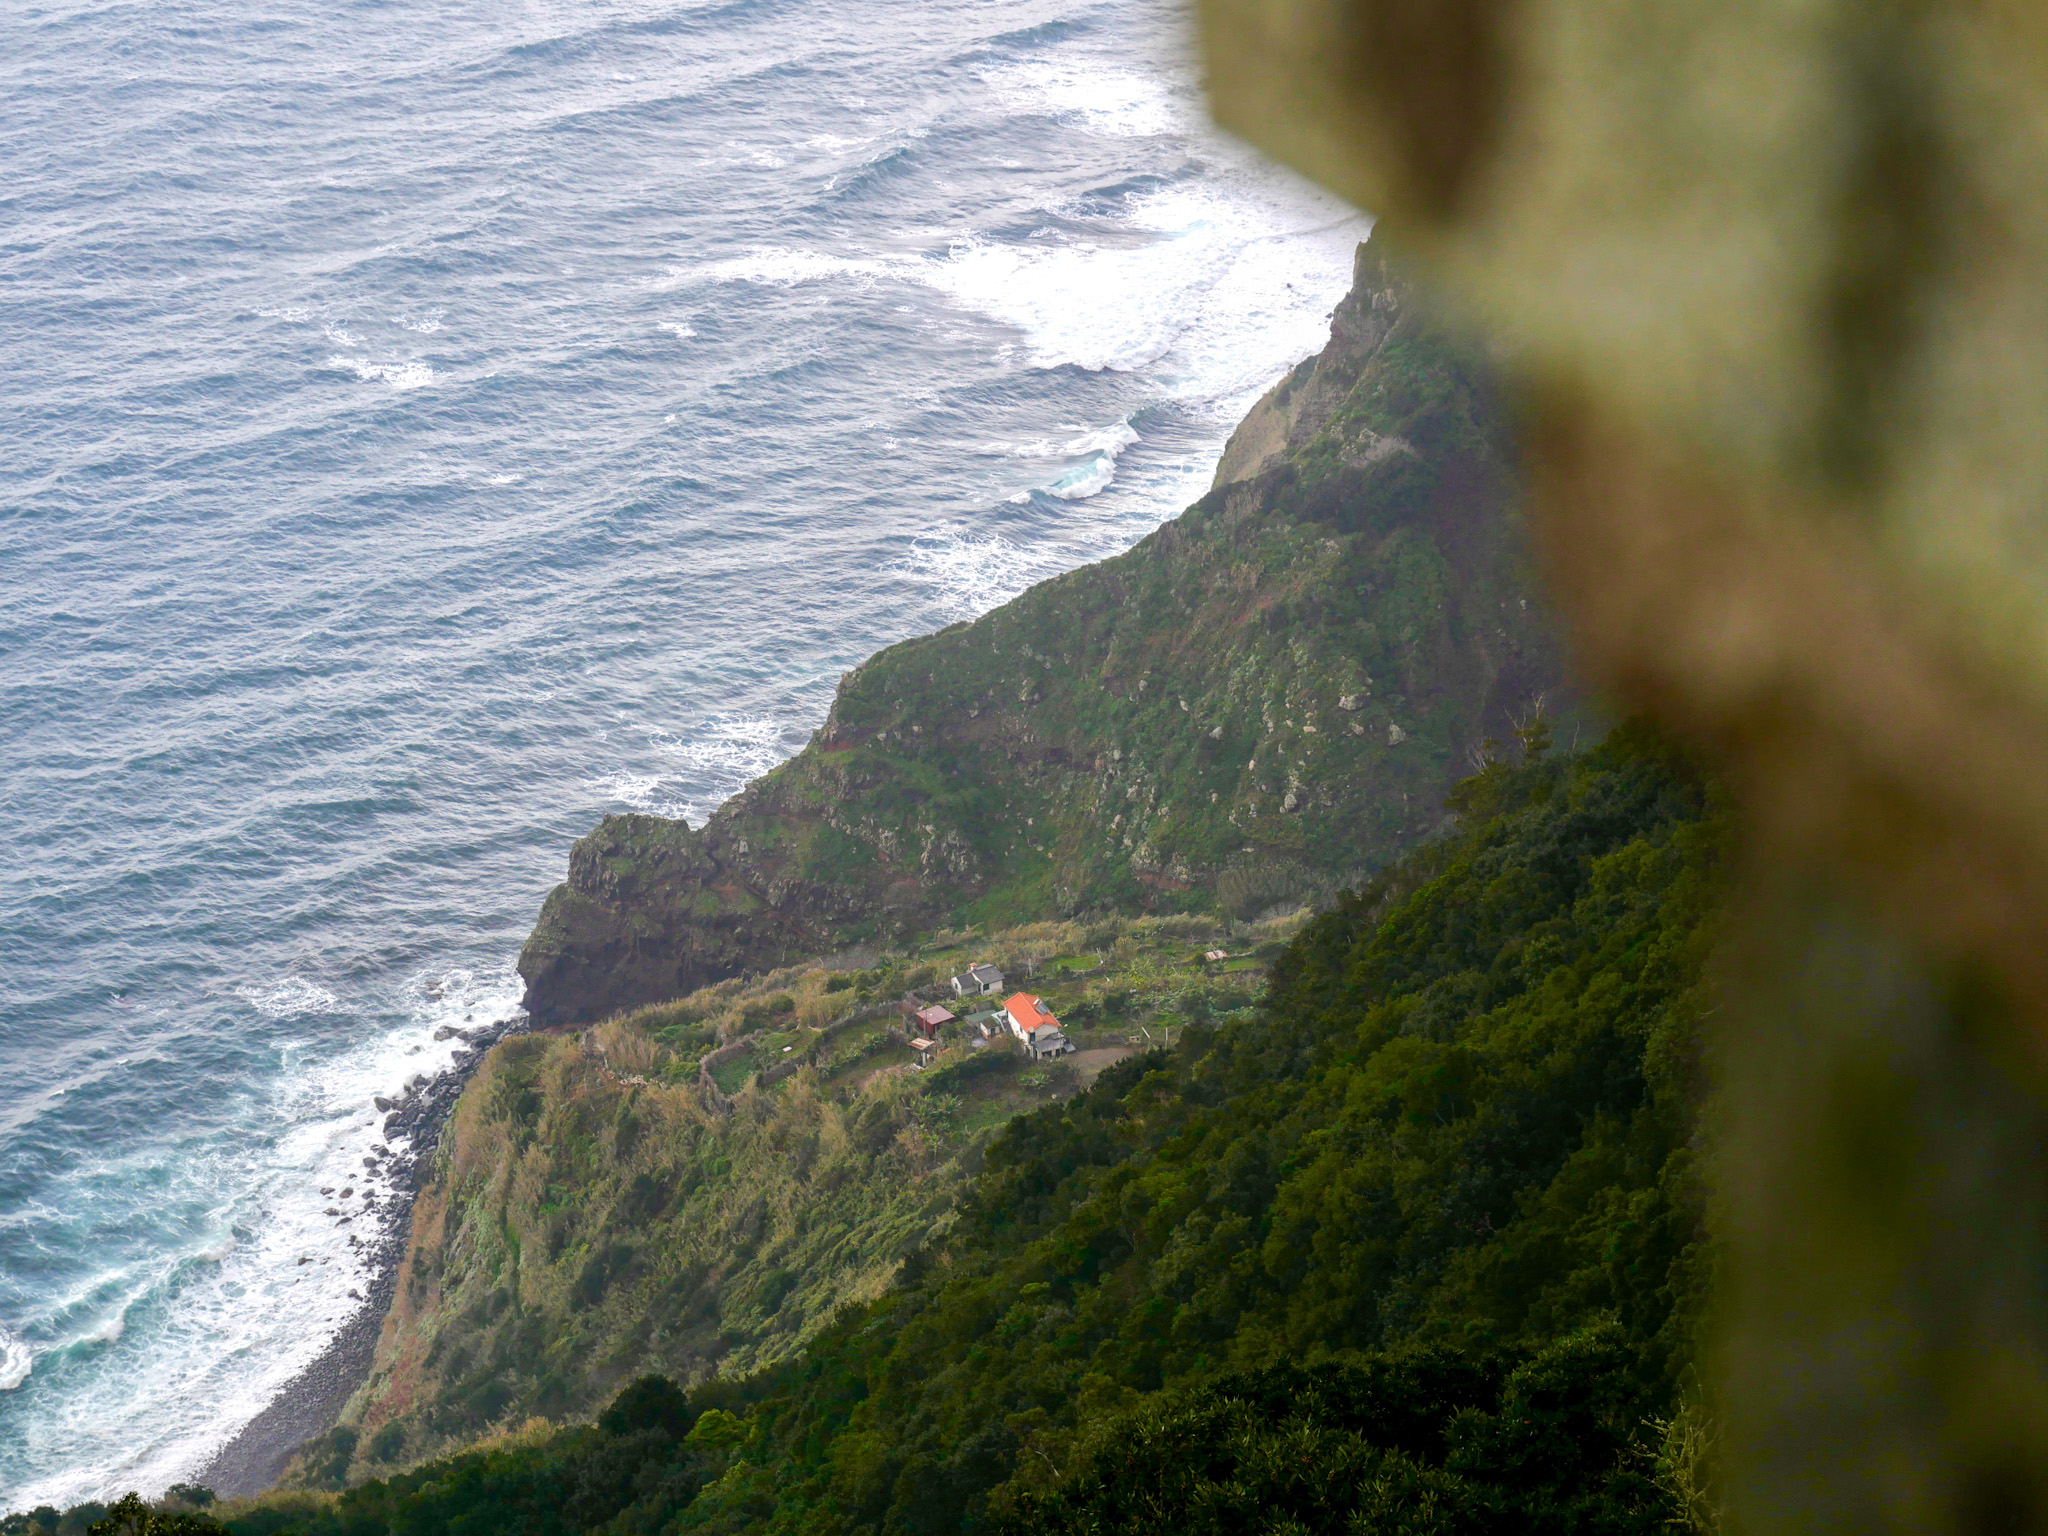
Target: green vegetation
column 1263, row 702
column 703, row 1185
column 177, row 1513
column 1413, row 1244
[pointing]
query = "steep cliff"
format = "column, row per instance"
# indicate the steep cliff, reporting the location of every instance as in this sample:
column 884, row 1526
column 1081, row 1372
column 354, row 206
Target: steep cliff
column 1267, row 697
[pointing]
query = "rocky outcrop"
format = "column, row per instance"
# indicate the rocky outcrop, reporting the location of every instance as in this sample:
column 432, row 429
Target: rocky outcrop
column 1264, row 699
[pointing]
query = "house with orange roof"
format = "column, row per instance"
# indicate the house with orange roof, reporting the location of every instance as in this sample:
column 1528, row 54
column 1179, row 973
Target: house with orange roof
column 1034, row 1024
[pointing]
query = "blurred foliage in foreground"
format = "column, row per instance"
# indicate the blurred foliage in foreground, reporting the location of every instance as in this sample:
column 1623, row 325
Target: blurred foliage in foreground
column 1767, row 282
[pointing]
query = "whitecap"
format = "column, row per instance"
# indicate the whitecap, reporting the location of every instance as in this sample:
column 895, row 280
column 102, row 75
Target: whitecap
column 642, row 792
column 969, row 572
column 289, row 998
column 1112, row 440
column 1103, row 98
column 1037, row 448
column 1095, row 474
column 407, row 375
column 775, row 267
column 459, row 995
column 727, row 751
column 1080, row 305
column 16, row 1361
column 1084, row 480
column 1211, row 304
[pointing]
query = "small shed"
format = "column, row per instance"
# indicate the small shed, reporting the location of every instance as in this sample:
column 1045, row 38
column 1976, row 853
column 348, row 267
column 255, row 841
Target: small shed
column 924, row 1049
column 933, row 1019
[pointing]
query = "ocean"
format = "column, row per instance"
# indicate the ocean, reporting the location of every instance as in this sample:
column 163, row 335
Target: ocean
column 429, row 428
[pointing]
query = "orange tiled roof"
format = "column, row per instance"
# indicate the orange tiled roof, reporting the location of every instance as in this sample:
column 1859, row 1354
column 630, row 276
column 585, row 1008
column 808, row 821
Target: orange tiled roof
column 1029, row 1012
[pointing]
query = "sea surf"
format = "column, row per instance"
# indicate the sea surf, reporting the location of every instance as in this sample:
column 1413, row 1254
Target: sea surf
column 432, row 428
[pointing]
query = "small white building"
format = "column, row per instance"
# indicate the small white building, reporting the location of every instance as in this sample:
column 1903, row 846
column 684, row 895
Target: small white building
column 978, row 981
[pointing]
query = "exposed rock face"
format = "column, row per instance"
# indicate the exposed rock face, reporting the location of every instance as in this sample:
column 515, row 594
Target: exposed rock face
column 1205, row 720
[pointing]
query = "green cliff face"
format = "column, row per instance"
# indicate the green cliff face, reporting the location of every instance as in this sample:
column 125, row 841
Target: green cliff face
column 1267, row 698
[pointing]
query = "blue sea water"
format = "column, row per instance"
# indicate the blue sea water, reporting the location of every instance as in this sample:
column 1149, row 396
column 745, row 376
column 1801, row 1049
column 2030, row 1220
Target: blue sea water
column 428, row 427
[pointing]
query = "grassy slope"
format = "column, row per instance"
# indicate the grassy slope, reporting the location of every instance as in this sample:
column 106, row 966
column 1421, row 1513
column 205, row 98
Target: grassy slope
column 595, row 1214
column 1266, row 697
column 1429, row 1217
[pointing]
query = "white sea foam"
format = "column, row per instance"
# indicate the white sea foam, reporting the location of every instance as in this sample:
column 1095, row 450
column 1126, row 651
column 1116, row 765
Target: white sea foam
column 1077, row 304
column 1094, row 474
column 716, row 756
column 712, row 759
column 411, row 374
column 743, row 745
column 16, row 1361
column 261, row 1291
column 1105, row 98
column 1084, row 480
column 28, row 1214
column 1207, row 299
column 776, row 267
column 968, row 571
column 1111, row 440
column 643, row 792
column 425, row 323
column 1270, row 306
column 289, row 998
column 1211, row 289
column 1196, row 304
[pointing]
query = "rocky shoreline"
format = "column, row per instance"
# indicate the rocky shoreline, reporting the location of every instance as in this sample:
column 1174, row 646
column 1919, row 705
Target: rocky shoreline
column 311, row 1402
